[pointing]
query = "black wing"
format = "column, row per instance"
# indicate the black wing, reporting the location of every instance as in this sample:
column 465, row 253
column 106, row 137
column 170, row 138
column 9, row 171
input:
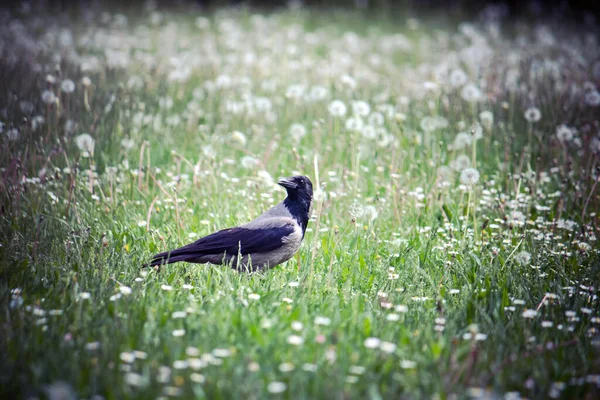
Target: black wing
column 229, row 241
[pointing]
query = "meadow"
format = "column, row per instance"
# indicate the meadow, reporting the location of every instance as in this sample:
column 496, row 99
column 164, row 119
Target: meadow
column 452, row 250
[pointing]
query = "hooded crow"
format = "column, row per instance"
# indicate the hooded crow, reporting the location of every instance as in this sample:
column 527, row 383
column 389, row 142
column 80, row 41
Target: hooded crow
column 269, row 240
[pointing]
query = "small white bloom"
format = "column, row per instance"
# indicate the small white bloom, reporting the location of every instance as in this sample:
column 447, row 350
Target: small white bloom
column 295, row 340
column 469, row 176
column 523, row 258
column 276, row 387
column 48, row 97
column 372, row 343
column 471, row 93
column 297, row 132
column 67, row 86
column 533, row 114
column 239, row 137
column 297, row 325
column 85, row 142
column 248, row 162
column 125, row 290
column 458, row 78
column 337, row 108
column 487, row 120
column 387, row 347
column 408, row 364
column 361, row 108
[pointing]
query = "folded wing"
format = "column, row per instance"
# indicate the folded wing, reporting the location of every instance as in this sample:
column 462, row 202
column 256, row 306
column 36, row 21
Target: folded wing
column 229, row 242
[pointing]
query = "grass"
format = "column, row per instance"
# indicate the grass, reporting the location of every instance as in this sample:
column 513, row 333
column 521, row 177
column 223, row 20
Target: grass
column 432, row 266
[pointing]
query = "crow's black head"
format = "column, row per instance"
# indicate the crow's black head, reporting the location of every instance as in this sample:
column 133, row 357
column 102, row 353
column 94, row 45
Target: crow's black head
column 297, row 186
column 300, row 191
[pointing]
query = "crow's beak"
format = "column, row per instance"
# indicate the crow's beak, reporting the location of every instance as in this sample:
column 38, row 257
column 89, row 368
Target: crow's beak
column 287, row 183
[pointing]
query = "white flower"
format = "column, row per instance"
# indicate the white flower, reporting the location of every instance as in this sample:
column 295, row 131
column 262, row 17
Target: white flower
column 460, row 163
column 372, row 343
column 166, row 287
column 248, row 162
column 59, row 390
column 408, row 364
column 357, row 369
column 48, row 97
column 127, row 143
column 462, row 140
column 85, row 142
column 444, row 174
column 295, row 340
column 376, row 119
column 254, row 296
column 371, row 213
column 471, row 93
column 532, row 114
column 356, row 210
column 239, row 137
column 322, row 321
column 387, row 347
column 317, row 93
column 178, row 332
column 127, row 357
column 12, row 134
column 91, row 346
column 469, row 176
column 84, row 296
column 337, row 108
column 392, row 317
column 276, row 387
column 354, row 124
column 458, row 78
column 361, row 108
column 529, row 313
column 564, row 133
column 125, row 290
column 523, row 258
column 67, row 86
column 401, row 308
column 297, row 325
column 487, row 119
column 221, row 353
column 297, row 132
column 592, row 98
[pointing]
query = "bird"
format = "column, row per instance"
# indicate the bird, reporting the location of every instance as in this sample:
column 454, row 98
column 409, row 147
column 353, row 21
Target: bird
column 269, row 240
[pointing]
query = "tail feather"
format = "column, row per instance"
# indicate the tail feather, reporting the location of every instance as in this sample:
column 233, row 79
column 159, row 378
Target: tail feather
column 169, row 257
column 163, row 259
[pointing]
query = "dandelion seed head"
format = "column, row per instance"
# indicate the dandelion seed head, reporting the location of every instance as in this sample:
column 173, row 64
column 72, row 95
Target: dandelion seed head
column 48, row 97
column 337, row 108
column 523, row 258
column 85, row 142
column 469, row 176
column 67, row 86
column 533, row 114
